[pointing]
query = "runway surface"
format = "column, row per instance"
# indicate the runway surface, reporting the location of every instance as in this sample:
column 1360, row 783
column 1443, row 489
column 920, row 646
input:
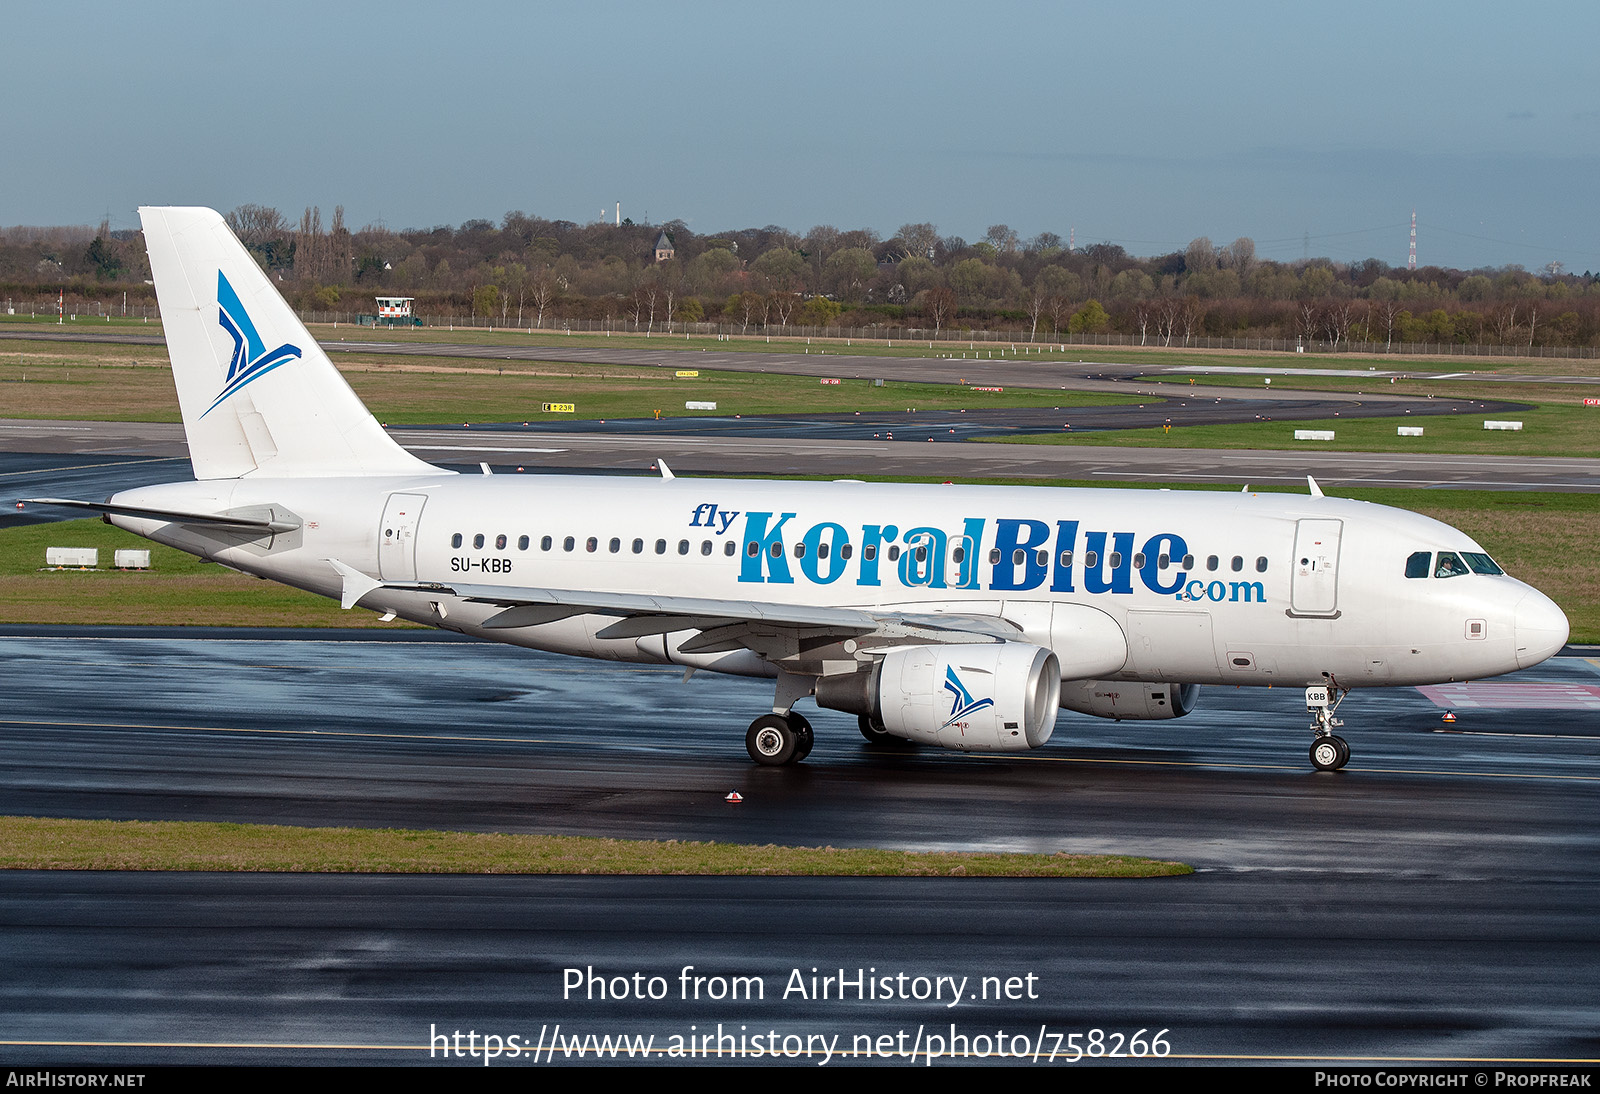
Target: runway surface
column 1434, row 900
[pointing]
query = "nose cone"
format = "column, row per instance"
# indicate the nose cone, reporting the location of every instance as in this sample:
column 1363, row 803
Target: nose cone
column 1541, row 629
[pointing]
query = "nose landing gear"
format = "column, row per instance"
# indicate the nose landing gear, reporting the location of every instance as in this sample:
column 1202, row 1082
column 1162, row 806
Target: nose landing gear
column 1328, row 752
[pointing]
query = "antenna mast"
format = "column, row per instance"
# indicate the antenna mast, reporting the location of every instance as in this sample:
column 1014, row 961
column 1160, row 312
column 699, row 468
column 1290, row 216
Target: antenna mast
column 1411, row 263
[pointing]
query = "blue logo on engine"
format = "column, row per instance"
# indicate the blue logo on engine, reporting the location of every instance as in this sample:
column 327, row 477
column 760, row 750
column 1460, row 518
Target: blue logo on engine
column 962, row 704
column 251, row 360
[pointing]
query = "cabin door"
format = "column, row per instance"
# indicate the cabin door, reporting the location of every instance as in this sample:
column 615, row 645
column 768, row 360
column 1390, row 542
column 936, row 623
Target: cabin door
column 1315, row 589
column 397, row 537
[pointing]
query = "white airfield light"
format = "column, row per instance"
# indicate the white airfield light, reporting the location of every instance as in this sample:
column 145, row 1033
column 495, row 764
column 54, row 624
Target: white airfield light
column 965, row 617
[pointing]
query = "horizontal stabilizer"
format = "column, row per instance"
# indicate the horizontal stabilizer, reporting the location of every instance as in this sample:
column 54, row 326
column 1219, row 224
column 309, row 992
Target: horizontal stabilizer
column 210, row 520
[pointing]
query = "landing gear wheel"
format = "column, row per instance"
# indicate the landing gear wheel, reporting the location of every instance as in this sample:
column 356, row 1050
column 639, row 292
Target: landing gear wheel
column 804, row 737
column 1329, row 753
column 872, row 731
column 876, row 734
column 772, row 741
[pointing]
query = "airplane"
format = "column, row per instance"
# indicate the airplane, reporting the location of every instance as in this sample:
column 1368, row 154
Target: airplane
column 959, row 616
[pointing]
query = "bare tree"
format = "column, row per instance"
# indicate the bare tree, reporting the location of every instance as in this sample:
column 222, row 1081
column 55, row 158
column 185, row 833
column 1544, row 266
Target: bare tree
column 939, row 304
column 257, row 225
column 1167, row 311
column 1037, row 302
column 542, row 288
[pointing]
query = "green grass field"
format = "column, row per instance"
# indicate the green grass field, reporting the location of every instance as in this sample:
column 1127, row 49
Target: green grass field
column 1547, row 430
column 134, row 383
column 31, row 843
column 177, row 590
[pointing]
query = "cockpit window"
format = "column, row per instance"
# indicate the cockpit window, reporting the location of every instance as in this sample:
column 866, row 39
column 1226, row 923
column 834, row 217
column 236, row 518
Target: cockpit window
column 1419, row 564
column 1481, row 563
column 1449, row 565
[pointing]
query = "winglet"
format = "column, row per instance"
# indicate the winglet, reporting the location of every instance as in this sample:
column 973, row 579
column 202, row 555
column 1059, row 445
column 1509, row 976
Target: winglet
column 356, row 584
column 666, row 472
column 1316, row 491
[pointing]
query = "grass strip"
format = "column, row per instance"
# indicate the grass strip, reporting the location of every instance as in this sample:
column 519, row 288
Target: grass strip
column 44, row 843
column 1549, row 429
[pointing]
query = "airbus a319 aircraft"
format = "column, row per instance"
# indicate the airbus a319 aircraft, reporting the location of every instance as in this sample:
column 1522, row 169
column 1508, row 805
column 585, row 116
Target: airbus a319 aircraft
column 965, row 617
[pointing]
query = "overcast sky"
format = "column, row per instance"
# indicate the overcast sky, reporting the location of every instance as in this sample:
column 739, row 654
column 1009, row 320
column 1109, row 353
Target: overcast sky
column 1143, row 123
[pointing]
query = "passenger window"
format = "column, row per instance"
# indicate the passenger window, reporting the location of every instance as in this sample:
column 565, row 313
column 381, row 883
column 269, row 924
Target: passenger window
column 1091, row 559
column 728, row 548
column 1138, row 560
column 1066, row 559
column 568, row 544
column 615, row 545
column 1261, row 564
column 1212, row 562
column 752, row 549
column 590, row 544
column 922, row 552
column 957, row 554
column 869, row 552
column 1419, row 563
column 1188, row 562
column 705, row 547
column 477, row 541
column 799, row 550
column 846, row 551
column 1041, row 557
column 661, row 546
column 822, row 550
column 638, row 546
column 994, row 556
column 683, row 546
column 1238, row 563
column 544, row 544
column 455, row 540
column 522, row 543
column 500, row 542
column 1017, row 556
column 894, row 551
column 777, row 550
column 1115, row 559
column 1449, row 565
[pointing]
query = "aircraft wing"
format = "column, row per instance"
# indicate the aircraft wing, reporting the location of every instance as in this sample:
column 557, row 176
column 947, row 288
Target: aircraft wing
column 770, row 629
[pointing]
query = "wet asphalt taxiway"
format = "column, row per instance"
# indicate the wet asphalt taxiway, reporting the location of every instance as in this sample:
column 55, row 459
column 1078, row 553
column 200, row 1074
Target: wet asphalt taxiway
column 1434, row 900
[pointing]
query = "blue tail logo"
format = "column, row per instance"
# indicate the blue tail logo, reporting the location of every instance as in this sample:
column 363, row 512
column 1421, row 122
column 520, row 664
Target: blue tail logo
column 250, row 360
column 962, row 703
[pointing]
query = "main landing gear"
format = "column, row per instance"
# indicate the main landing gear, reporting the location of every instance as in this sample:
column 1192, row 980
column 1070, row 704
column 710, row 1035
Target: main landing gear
column 774, row 740
column 1328, row 752
column 877, row 735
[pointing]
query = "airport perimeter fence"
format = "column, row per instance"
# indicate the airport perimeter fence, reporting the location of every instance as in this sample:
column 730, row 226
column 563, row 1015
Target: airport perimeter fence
column 95, row 311
column 950, row 340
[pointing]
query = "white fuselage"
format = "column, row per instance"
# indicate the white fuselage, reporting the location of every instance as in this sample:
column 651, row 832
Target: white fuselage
column 1204, row 587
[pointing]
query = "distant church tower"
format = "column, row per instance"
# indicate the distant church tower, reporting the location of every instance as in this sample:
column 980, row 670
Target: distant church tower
column 664, row 249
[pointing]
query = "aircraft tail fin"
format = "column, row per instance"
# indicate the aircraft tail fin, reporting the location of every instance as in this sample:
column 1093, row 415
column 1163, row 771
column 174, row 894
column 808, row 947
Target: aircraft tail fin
column 258, row 394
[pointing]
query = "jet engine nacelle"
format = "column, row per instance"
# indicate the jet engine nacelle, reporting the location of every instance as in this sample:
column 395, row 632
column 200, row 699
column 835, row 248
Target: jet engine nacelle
column 1135, row 700
column 978, row 698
